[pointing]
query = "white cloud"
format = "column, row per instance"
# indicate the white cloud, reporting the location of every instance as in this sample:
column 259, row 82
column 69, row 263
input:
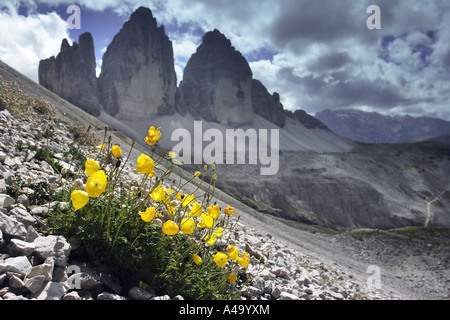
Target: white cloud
column 24, row 41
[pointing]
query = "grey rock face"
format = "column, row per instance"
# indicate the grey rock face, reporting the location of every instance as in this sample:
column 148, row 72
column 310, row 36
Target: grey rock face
column 307, row 120
column 71, row 75
column 138, row 78
column 217, row 83
column 266, row 105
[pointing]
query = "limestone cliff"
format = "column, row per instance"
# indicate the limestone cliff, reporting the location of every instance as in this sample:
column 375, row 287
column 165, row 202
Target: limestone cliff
column 138, row 78
column 71, row 75
column 217, row 83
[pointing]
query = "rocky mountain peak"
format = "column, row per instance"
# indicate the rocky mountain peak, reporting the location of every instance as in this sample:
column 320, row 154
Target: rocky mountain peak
column 138, row 78
column 71, row 75
column 217, row 83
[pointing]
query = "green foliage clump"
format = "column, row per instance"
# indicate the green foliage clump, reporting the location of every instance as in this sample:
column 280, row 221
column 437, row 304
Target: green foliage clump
column 148, row 231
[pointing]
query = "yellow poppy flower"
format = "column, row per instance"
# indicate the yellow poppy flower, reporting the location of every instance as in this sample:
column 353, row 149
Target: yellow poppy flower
column 158, row 194
column 96, row 184
column 116, row 151
column 91, row 166
column 232, row 278
column 207, row 221
column 220, row 259
column 153, row 136
column 187, row 225
column 196, row 210
column 170, row 228
column 229, row 210
column 197, row 259
column 210, row 239
column 145, row 164
column 171, row 209
column 79, row 199
column 244, row 261
column 233, row 252
column 246, row 255
column 148, row 214
column 187, row 200
column 214, row 211
column 218, row 232
column 197, row 173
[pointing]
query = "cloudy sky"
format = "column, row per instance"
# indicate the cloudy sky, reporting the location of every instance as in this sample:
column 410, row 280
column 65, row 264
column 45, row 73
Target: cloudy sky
column 316, row 54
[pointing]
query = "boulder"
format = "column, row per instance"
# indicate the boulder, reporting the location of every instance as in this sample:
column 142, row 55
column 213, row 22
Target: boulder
column 53, row 246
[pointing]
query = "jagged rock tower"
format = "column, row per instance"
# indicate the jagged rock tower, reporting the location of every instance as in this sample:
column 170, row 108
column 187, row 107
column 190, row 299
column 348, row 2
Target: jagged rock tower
column 71, row 75
column 217, row 83
column 138, row 79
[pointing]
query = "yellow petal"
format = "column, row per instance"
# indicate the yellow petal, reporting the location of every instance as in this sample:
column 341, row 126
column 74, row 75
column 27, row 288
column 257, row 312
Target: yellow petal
column 187, row 225
column 96, row 184
column 91, row 166
column 197, row 259
column 148, row 214
column 220, row 259
column 116, row 151
column 145, row 164
column 79, row 199
column 170, row 228
column 214, row 211
column 158, row 194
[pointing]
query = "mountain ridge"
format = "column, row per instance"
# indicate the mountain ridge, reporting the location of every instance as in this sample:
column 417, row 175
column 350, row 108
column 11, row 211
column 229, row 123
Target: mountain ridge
column 373, row 127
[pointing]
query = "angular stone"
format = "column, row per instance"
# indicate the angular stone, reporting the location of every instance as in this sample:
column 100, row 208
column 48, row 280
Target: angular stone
column 137, row 293
column 45, row 269
column 11, row 296
column 6, row 201
column 34, row 284
column 15, row 282
column 11, row 227
column 20, row 248
column 73, row 295
column 336, row 295
column 83, row 281
column 279, row 272
column 19, row 265
column 288, row 296
column 50, row 291
column 22, row 216
column 162, row 298
column 53, row 246
column 2, row 186
column 110, row 296
column 23, row 200
column 251, row 292
column 276, row 292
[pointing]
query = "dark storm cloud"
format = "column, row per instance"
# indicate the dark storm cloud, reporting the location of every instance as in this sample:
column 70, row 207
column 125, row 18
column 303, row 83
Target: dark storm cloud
column 330, row 61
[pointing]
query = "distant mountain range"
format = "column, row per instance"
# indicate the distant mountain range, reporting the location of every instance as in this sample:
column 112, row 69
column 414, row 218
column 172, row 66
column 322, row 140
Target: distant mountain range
column 372, row 127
